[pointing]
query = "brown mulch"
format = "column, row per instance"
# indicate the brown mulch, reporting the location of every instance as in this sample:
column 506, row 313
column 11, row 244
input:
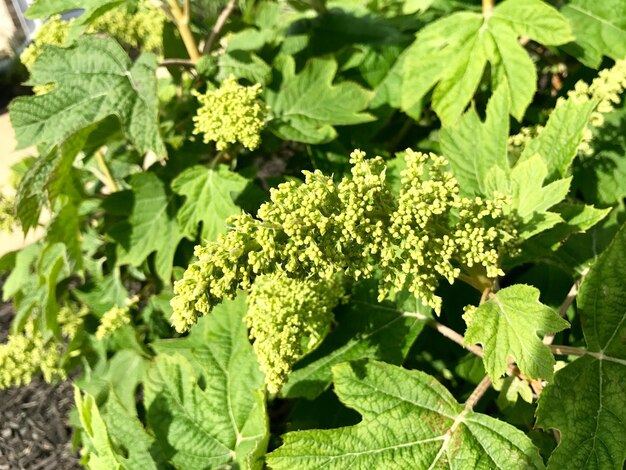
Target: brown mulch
column 34, row 434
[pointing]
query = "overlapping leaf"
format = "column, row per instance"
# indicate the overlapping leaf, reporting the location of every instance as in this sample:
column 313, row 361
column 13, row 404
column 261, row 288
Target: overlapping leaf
column 586, row 402
column 599, row 27
column 409, row 421
column 210, row 195
column 150, row 227
column 308, row 104
column 511, row 324
column 365, row 329
column 451, row 54
column 93, row 79
column 224, row 422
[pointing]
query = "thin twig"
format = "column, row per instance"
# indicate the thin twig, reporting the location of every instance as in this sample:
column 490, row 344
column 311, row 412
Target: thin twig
column 182, row 62
column 217, row 27
column 478, row 392
column 487, row 8
column 108, row 180
column 181, row 18
column 447, row 332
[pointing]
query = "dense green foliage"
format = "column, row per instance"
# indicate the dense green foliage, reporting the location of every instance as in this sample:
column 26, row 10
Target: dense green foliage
column 326, row 233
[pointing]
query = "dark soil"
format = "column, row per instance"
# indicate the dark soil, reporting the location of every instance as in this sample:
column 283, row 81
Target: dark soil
column 34, row 433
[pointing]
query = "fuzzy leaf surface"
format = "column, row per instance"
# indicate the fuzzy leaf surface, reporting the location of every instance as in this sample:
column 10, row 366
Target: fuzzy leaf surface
column 209, row 199
column 586, row 401
column 224, row 422
column 512, row 323
column 94, row 78
column 308, row 106
column 409, row 421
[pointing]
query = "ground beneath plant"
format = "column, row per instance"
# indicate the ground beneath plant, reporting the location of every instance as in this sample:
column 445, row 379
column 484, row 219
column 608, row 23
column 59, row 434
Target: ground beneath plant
column 34, row 434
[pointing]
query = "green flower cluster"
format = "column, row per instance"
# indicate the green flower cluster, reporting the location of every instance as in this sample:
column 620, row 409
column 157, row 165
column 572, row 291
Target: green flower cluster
column 7, row 213
column 71, row 319
column 140, row 29
column 604, row 90
column 231, row 113
column 26, row 355
column 112, row 320
column 287, row 319
column 53, row 32
column 319, row 230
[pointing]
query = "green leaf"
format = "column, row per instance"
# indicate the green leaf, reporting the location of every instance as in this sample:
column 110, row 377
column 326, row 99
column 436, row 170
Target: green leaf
column 52, row 268
column 41, row 183
column 93, row 79
column 586, row 401
column 512, row 323
column 365, row 329
column 451, row 53
column 222, row 423
column 210, row 195
column 409, row 421
column 103, row 292
column 244, row 64
column 558, row 142
column 66, row 228
column 111, row 438
column 22, row 273
column 531, row 199
column 150, row 227
column 474, row 147
column 308, row 105
column 600, row 29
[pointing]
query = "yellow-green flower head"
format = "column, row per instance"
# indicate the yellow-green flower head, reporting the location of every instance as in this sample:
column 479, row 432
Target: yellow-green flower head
column 287, row 319
column 112, row 320
column 7, row 213
column 71, row 320
column 232, row 113
column 140, row 29
column 319, row 230
column 53, row 32
column 26, row 355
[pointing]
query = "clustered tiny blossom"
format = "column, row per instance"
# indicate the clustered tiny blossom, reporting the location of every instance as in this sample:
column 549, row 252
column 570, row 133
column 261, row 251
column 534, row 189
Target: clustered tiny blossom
column 25, row 355
column 53, row 32
column 7, row 213
column 320, row 230
column 142, row 28
column 113, row 319
column 287, row 318
column 604, row 91
column 71, row 319
column 231, row 113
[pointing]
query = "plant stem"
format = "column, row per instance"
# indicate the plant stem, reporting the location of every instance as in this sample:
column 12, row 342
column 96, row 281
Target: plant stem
column 182, row 62
column 217, row 28
column 447, row 332
column 487, row 8
column 108, row 181
column 568, row 350
column 181, row 18
column 478, row 392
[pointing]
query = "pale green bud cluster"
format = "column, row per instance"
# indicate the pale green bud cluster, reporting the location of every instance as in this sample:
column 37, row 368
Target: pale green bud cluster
column 287, row 319
column 26, row 355
column 141, row 29
column 320, row 229
column 112, row 320
column 605, row 90
column 231, row 113
column 435, row 232
column 53, row 32
column 7, row 213
column 71, row 319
